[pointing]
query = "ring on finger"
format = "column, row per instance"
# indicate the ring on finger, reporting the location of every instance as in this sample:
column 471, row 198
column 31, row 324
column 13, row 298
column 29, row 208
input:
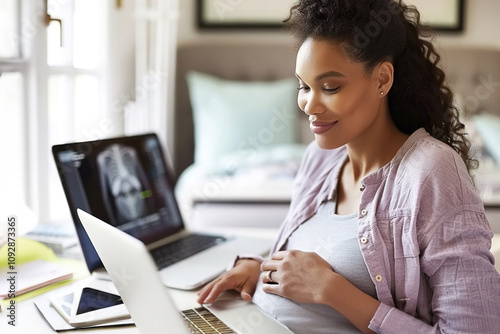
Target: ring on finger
column 268, row 276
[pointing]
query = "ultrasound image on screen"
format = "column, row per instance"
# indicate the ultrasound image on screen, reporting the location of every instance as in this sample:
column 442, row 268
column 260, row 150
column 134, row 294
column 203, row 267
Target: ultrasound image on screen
column 124, row 186
column 123, row 181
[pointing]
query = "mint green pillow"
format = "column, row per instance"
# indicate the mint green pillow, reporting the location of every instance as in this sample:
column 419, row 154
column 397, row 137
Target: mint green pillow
column 488, row 127
column 237, row 115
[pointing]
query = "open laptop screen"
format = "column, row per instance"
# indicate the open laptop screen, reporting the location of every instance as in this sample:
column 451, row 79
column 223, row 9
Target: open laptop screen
column 123, row 181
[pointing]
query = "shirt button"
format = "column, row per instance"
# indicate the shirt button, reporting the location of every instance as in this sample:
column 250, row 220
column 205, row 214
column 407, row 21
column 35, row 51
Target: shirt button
column 363, row 213
column 378, row 278
column 364, row 240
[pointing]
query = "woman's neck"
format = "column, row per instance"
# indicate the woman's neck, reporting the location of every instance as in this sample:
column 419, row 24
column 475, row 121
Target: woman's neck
column 373, row 150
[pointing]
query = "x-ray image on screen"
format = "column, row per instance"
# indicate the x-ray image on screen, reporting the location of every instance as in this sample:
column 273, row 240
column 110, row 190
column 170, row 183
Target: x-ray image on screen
column 123, row 183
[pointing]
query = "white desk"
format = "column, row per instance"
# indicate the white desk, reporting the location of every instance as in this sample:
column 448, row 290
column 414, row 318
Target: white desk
column 30, row 321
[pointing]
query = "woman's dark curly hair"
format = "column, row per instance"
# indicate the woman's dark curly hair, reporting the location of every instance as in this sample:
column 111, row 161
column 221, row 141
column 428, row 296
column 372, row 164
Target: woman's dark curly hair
column 373, row 31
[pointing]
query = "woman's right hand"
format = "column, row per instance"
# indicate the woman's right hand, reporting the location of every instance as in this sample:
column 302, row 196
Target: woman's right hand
column 243, row 277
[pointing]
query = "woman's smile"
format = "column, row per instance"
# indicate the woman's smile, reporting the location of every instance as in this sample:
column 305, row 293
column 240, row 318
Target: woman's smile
column 321, row 127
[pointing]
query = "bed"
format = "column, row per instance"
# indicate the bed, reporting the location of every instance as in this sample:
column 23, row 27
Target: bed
column 250, row 185
column 257, row 193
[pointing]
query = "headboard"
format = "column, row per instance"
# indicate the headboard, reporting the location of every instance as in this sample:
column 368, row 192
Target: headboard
column 236, row 61
column 473, row 73
column 474, row 76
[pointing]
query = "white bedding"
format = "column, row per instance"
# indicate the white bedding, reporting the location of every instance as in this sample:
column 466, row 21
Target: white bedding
column 252, row 180
column 487, row 176
column 488, row 183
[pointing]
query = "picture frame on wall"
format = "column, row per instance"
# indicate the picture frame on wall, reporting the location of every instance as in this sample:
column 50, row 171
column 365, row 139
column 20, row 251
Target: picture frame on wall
column 442, row 15
column 242, row 14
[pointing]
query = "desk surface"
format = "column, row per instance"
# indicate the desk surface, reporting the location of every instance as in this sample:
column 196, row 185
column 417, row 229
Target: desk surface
column 29, row 319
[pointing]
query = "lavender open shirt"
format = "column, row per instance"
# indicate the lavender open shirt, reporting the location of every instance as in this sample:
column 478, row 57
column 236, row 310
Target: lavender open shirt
column 423, row 235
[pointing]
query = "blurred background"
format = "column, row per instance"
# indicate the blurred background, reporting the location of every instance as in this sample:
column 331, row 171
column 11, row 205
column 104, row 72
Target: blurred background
column 78, row 70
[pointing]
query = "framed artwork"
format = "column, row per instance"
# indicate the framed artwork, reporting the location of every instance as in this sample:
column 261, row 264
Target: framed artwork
column 442, row 15
column 242, row 14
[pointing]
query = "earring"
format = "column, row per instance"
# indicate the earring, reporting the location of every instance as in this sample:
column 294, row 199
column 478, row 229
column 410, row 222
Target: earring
column 381, row 93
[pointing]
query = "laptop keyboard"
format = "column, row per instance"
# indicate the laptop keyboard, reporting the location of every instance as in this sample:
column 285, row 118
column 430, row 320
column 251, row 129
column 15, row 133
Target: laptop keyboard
column 173, row 252
column 200, row 320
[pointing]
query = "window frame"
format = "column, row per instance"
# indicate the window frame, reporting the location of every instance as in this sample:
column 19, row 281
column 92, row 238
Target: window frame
column 32, row 63
column 46, row 162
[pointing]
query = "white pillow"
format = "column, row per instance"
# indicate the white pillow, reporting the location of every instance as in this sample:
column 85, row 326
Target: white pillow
column 234, row 115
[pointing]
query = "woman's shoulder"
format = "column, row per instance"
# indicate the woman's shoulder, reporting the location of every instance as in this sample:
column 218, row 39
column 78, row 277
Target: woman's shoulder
column 433, row 177
column 435, row 168
column 426, row 156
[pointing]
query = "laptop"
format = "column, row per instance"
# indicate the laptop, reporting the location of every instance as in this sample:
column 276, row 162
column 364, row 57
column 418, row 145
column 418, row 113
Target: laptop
column 149, row 302
column 126, row 182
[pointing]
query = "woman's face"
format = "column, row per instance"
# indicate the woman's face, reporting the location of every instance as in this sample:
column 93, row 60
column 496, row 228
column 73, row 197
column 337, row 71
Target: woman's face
column 341, row 99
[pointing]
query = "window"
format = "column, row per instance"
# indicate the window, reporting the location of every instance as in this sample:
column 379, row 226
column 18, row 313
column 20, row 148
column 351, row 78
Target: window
column 12, row 119
column 10, row 11
column 13, row 111
column 76, row 85
column 64, row 78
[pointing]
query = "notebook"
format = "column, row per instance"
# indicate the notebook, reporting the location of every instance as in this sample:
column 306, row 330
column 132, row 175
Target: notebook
column 149, row 302
column 126, row 182
column 33, row 275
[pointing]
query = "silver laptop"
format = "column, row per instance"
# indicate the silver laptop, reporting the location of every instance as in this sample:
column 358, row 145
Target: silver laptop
column 126, row 182
column 148, row 301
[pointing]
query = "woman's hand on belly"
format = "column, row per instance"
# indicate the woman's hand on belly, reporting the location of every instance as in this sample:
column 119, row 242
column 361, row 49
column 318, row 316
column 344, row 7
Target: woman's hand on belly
column 306, row 277
column 297, row 275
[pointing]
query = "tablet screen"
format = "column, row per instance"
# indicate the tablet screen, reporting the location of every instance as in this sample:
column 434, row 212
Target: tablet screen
column 92, row 299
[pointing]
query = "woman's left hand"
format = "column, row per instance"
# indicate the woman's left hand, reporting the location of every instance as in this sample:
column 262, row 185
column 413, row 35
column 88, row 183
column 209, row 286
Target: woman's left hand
column 297, row 275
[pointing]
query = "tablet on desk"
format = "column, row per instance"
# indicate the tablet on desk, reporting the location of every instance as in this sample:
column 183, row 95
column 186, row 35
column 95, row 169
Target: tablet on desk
column 88, row 306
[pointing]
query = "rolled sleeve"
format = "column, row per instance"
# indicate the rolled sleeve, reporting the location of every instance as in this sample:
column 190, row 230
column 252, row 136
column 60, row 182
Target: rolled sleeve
column 390, row 320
